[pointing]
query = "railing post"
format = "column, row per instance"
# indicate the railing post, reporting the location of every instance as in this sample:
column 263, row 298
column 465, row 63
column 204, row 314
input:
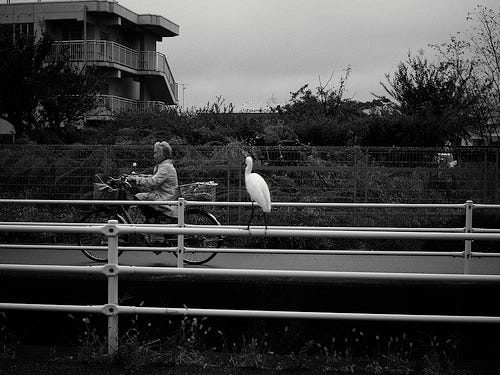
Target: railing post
column 180, row 237
column 469, row 206
column 354, row 173
column 111, row 230
column 85, row 9
column 495, row 194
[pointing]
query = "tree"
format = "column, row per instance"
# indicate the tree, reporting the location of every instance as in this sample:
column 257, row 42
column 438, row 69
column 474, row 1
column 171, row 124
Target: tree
column 476, row 53
column 326, row 102
column 323, row 117
column 485, row 43
column 435, row 90
column 17, row 64
column 64, row 94
column 40, row 92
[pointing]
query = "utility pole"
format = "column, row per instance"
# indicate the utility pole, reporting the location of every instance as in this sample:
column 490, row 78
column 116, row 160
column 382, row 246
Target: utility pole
column 85, row 9
column 183, row 89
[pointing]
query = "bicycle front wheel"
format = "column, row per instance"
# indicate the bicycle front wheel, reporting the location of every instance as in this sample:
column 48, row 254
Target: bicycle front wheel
column 200, row 242
column 89, row 240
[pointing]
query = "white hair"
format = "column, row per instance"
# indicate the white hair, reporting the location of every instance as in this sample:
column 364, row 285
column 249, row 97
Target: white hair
column 167, row 150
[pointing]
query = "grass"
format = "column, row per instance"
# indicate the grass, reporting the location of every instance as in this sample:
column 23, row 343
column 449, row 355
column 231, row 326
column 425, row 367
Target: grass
column 8, row 342
column 192, row 345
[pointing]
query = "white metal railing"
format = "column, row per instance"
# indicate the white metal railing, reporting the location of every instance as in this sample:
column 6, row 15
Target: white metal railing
column 110, row 105
column 100, row 51
column 466, row 233
column 112, row 230
column 39, row 1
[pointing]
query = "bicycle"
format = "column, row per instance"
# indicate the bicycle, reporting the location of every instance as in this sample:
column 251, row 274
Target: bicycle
column 117, row 189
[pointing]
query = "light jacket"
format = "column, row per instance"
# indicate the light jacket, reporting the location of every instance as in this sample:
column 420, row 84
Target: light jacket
column 162, row 185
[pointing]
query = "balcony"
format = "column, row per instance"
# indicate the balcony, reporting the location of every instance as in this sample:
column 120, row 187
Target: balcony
column 109, row 105
column 111, row 54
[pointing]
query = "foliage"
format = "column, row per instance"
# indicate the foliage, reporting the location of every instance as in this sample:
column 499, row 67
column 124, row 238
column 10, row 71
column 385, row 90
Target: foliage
column 446, row 100
column 437, row 96
column 327, row 101
column 485, row 43
column 406, row 131
column 475, row 56
column 42, row 96
column 19, row 63
column 65, row 94
column 323, row 117
column 215, row 124
column 8, row 340
column 434, row 103
column 291, row 349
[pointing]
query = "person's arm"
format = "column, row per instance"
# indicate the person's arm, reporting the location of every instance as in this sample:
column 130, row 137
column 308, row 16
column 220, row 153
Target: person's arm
column 164, row 173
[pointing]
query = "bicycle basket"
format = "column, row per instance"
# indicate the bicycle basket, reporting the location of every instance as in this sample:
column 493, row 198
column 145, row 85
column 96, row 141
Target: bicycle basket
column 199, row 191
column 104, row 192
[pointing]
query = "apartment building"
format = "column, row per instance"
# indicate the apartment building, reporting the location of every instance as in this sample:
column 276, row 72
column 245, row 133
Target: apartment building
column 105, row 34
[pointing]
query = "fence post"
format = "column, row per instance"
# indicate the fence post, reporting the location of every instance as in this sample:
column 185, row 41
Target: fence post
column 484, row 182
column 180, row 237
column 228, row 184
column 240, row 197
column 354, row 174
column 468, row 243
column 495, row 194
column 366, row 175
column 111, row 271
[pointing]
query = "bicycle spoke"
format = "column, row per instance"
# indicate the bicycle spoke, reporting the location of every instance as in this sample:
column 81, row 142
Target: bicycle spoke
column 90, row 240
column 200, row 217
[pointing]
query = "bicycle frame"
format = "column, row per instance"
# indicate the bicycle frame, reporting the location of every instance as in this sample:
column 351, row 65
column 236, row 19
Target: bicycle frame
column 121, row 210
column 124, row 214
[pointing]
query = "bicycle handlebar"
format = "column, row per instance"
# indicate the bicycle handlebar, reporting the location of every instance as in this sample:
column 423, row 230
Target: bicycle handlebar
column 120, row 182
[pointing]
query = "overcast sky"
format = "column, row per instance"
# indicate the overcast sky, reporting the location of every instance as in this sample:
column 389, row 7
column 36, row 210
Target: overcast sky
column 251, row 51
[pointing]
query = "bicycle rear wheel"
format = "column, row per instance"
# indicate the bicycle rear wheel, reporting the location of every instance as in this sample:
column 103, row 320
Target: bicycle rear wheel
column 195, row 216
column 88, row 240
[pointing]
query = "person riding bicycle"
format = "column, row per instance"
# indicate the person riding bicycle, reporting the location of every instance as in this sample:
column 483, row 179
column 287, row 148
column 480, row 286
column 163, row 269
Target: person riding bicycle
column 162, row 185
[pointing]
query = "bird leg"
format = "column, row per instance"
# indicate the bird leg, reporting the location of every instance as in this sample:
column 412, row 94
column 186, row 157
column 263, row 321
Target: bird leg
column 265, row 222
column 251, row 217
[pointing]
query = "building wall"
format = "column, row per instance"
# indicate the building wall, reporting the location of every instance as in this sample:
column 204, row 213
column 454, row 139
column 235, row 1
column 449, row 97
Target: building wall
column 97, row 25
column 64, row 21
column 125, row 87
column 146, row 93
column 149, row 42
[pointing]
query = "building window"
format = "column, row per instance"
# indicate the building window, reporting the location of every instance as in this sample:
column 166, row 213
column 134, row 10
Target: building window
column 17, row 29
column 5, row 30
column 24, row 29
column 104, row 35
column 72, row 35
column 104, row 89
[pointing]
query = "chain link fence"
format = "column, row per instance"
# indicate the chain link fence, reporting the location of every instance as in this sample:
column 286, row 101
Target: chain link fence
column 294, row 174
column 329, row 174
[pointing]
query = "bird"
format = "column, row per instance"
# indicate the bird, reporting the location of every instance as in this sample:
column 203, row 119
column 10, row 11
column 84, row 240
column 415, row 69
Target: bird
column 258, row 190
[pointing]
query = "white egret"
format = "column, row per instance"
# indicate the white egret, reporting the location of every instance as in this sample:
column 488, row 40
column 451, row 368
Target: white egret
column 257, row 189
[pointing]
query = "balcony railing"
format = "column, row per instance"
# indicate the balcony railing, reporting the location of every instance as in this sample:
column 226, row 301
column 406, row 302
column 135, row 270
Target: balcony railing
column 102, row 51
column 109, row 105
